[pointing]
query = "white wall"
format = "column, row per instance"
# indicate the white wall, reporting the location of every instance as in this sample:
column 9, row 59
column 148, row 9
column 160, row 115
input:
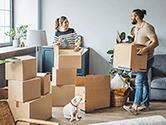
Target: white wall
column 25, row 13
column 97, row 21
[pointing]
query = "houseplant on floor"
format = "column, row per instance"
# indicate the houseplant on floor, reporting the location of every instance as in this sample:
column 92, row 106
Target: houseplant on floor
column 17, row 34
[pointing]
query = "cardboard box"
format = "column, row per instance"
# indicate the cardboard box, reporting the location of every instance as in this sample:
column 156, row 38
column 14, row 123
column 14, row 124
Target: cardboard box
column 126, row 58
column 63, row 76
column 95, row 90
column 4, row 93
column 62, row 95
column 45, row 82
column 24, row 90
column 20, row 70
column 67, row 58
column 40, row 109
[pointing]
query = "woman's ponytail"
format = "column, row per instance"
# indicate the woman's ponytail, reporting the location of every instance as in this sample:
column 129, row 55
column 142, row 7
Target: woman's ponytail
column 57, row 24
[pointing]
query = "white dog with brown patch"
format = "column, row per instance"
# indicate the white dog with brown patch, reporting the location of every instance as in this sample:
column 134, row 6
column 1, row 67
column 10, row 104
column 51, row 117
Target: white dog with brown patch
column 70, row 110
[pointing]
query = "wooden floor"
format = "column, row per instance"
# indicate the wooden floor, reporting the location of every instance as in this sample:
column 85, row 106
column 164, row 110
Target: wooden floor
column 111, row 114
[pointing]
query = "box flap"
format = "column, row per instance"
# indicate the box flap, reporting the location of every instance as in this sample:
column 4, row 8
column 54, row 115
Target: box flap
column 25, row 57
column 16, row 58
column 69, row 52
column 90, row 75
column 61, row 47
column 80, row 81
column 84, row 50
column 42, row 74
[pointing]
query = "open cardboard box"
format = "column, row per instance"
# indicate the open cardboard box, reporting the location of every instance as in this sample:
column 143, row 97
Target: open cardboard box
column 40, row 109
column 23, row 69
column 67, row 57
column 45, row 82
column 24, row 90
column 63, row 76
column 126, row 58
column 95, row 90
column 62, row 95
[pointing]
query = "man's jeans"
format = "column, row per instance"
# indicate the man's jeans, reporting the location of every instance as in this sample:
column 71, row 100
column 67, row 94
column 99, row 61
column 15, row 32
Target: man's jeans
column 142, row 88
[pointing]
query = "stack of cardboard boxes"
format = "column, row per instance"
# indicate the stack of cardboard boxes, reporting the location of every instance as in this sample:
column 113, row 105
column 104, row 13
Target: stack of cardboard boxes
column 28, row 94
column 64, row 73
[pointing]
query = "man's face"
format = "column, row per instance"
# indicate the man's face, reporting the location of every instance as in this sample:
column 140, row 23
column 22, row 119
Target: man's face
column 133, row 18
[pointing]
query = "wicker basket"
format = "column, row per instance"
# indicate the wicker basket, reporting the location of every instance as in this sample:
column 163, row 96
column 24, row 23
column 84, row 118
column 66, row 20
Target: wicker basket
column 6, row 117
column 117, row 100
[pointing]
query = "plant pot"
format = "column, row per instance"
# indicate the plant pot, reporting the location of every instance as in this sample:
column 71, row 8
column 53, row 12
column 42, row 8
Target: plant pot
column 16, row 43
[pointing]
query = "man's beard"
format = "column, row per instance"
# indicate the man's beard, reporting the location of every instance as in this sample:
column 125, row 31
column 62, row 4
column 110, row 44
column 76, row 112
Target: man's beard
column 134, row 21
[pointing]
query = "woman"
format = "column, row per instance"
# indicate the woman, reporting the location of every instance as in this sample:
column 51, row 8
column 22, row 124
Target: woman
column 63, row 31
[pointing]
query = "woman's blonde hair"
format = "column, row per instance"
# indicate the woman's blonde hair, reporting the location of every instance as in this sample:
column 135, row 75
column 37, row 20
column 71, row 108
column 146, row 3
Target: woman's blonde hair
column 59, row 21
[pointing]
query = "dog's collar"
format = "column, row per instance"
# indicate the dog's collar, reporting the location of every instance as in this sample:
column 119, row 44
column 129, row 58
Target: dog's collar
column 73, row 104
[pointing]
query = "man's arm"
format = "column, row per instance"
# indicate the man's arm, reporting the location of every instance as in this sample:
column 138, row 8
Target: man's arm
column 154, row 43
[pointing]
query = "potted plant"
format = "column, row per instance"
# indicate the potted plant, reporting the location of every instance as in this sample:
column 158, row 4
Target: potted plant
column 120, row 38
column 17, row 34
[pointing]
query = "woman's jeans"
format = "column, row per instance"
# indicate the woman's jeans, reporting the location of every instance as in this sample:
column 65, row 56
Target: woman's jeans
column 142, row 88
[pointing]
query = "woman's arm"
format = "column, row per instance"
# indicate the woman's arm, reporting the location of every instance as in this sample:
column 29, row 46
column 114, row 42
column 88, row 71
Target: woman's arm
column 78, row 45
column 57, row 38
column 76, row 41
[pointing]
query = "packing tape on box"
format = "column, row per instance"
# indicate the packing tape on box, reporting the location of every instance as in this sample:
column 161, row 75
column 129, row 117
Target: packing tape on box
column 143, row 69
column 125, row 68
column 121, row 67
column 95, row 109
column 17, row 104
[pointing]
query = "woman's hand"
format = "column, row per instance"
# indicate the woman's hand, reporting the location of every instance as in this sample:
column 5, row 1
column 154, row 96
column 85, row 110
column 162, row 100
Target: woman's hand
column 76, row 48
column 59, row 42
column 78, row 45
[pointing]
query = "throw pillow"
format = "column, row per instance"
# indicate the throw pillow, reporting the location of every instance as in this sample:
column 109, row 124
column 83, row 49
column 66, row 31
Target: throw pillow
column 117, row 82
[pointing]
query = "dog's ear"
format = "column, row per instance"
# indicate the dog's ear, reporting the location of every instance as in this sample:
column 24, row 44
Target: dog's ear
column 75, row 101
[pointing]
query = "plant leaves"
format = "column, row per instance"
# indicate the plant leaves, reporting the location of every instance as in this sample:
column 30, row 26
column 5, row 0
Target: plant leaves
column 118, row 41
column 122, row 36
column 130, row 39
column 110, row 52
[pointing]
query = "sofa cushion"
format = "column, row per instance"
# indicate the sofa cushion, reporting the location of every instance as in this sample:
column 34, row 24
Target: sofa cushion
column 159, row 82
column 159, row 65
column 157, row 94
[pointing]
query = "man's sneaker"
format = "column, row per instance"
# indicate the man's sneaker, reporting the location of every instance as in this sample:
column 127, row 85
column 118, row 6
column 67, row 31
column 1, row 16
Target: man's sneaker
column 130, row 109
column 143, row 108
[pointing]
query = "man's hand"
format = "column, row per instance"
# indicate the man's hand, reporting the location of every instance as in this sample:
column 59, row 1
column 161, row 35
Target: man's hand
column 141, row 51
column 133, row 43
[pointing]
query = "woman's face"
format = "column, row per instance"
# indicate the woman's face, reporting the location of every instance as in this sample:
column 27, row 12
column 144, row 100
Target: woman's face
column 65, row 24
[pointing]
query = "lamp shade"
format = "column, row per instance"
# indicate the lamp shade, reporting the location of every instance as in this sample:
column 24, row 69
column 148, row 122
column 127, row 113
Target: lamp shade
column 36, row 38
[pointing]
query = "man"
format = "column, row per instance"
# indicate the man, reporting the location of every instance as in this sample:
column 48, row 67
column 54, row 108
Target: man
column 144, row 34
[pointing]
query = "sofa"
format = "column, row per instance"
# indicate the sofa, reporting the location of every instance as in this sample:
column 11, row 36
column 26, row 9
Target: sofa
column 157, row 78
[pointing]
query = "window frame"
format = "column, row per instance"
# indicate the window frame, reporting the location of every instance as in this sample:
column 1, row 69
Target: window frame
column 11, row 24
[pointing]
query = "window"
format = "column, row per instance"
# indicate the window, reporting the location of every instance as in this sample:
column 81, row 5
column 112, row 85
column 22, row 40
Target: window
column 5, row 21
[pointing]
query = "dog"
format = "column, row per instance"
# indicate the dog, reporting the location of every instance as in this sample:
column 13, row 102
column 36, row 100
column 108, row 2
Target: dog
column 70, row 110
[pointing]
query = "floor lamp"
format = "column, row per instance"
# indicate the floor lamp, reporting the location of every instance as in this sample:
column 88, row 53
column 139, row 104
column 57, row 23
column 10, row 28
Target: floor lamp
column 37, row 38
